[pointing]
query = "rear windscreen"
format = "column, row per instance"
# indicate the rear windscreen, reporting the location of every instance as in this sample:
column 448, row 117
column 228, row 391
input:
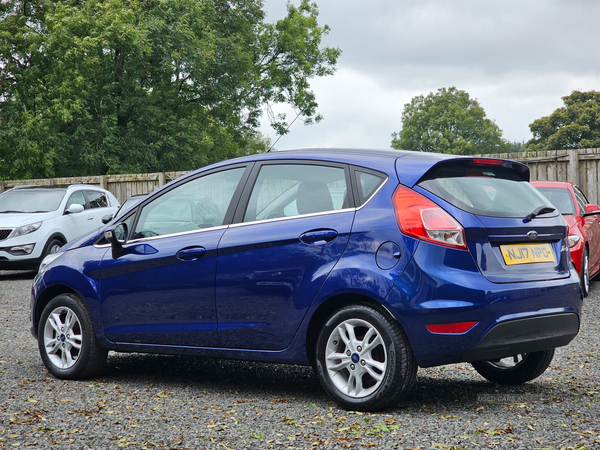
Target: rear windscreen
column 488, row 195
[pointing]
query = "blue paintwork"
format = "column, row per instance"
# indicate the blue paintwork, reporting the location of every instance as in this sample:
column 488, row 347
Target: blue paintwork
column 251, row 290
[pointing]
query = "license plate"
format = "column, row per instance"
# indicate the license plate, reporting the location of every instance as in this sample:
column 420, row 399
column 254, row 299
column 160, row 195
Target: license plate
column 527, row 253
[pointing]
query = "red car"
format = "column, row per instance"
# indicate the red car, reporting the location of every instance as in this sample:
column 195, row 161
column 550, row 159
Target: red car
column 584, row 226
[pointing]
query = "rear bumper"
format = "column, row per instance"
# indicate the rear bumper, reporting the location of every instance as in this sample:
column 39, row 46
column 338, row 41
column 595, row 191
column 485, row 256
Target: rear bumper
column 526, row 335
column 445, row 286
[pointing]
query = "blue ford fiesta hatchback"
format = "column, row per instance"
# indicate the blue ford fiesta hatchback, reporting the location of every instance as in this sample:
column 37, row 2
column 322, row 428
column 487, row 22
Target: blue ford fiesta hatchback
column 363, row 264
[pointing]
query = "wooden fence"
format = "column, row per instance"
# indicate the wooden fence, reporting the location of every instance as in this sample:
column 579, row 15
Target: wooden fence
column 122, row 186
column 581, row 166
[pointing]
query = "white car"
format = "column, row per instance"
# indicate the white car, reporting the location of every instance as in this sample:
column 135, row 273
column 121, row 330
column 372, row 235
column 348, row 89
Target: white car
column 37, row 220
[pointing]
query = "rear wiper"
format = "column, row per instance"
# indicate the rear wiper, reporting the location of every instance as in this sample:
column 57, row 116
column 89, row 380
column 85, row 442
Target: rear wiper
column 539, row 210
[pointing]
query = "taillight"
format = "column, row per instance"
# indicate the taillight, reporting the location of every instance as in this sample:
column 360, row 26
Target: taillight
column 419, row 217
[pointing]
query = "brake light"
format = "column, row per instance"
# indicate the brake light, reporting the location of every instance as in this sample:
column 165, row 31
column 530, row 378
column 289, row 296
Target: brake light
column 419, row 217
column 451, row 328
column 487, row 162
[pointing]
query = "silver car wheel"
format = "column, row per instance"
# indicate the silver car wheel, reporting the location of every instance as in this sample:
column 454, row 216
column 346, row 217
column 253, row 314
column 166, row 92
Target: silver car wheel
column 62, row 337
column 356, row 358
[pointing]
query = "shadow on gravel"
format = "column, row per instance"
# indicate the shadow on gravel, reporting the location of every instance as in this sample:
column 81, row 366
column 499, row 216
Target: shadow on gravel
column 284, row 381
column 214, row 374
column 8, row 275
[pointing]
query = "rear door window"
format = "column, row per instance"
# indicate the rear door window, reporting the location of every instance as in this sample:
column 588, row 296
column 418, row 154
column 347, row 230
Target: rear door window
column 287, row 190
column 97, row 199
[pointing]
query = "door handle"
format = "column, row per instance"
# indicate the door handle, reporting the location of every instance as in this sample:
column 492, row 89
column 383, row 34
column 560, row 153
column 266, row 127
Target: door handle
column 318, row 237
column 190, row 253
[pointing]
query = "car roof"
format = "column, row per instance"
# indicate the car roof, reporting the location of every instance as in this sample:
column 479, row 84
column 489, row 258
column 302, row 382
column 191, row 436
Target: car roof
column 555, row 184
column 56, row 186
column 377, row 159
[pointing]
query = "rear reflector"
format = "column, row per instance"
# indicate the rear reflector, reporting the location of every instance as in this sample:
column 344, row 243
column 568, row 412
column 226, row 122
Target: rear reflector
column 451, row 328
column 419, row 217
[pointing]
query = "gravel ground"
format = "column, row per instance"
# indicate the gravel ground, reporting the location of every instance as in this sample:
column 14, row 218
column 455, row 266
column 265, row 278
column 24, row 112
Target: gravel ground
column 147, row 401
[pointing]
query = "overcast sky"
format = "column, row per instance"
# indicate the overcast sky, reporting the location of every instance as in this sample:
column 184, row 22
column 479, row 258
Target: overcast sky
column 516, row 57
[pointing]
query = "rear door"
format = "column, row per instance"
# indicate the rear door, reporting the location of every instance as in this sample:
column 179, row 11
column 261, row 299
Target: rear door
column 292, row 228
column 590, row 225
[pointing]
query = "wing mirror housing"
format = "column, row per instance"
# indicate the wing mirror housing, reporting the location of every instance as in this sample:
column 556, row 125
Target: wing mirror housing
column 117, row 236
column 75, row 208
column 591, row 210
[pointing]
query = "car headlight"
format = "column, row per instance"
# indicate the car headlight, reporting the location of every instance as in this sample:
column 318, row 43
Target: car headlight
column 25, row 229
column 573, row 240
column 49, row 259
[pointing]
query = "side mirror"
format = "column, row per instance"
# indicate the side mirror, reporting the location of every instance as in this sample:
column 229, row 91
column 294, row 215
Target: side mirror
column 117, row 236
column 107, row 218
column 591, row 210
column 75, row 208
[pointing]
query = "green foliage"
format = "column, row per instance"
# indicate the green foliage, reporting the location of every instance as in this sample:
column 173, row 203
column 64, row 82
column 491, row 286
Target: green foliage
column 575, row 125
column 448, row 122
column 112, row 86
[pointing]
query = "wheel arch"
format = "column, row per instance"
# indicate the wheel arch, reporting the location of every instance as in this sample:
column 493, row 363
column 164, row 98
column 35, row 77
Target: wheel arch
column 325, row 311
column 56, row 235
column 45, row 298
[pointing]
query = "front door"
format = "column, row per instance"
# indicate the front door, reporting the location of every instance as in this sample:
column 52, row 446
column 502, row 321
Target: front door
column 160, row 291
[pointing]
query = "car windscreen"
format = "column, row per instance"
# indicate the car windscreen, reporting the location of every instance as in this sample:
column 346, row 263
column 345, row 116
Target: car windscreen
column 561, row 198
column 31, row 200
column 488, row 196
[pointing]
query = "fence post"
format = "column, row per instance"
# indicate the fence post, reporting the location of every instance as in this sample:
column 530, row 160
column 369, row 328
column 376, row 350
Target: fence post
column 573, row 168
column 2, row 187
column 161, row 179
column 103, row 181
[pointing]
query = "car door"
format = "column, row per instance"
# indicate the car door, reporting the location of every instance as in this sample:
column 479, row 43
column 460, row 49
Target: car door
column 98, row 208
column 160, row 291
column 290, row 231
column 590, row 226
column 75, row 224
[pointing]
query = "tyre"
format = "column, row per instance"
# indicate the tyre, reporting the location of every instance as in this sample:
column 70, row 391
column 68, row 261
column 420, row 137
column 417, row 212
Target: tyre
column 52, row 247
column 67, row 340
column 364, row 360
column 585, row 273
column 515, row 369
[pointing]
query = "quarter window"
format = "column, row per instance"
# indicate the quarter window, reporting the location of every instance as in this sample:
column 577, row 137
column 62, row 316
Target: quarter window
column 367, row 185
column 287, row 190
column 197, row 204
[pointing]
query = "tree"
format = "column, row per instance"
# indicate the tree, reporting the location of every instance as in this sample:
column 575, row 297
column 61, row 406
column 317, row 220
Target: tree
column 110, row 86
column 448, row 122
column 575, row 125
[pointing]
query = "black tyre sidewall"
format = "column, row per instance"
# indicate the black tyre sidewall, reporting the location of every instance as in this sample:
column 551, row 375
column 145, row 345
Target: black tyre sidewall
column 585, row 289
column 401, row 367
column 89, row 346
column 532, row 367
